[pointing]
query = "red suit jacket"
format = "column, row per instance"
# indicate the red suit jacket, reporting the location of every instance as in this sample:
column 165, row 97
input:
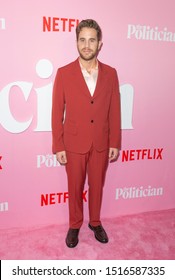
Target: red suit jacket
column 79, row 119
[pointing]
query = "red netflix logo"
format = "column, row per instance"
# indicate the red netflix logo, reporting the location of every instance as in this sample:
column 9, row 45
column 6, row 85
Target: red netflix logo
column 55, row 24
column 142, row 154
column 57, row 198
column 0, row 163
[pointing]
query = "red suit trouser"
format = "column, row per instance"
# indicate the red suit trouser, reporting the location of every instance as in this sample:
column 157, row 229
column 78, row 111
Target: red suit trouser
column 94, row 164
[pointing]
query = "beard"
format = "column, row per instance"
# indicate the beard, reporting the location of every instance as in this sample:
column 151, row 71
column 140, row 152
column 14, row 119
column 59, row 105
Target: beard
column 89, row 56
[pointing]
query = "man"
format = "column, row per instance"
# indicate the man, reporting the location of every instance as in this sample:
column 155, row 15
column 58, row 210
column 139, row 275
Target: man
column 86, row 127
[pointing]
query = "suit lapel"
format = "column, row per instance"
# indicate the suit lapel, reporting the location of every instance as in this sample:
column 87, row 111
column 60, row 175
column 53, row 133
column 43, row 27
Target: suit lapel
column 101, row 80
column 79, row 80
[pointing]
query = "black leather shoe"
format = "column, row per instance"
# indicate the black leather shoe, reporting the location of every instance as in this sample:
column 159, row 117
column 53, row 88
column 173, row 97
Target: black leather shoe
column 99, row 233
column 72, row 237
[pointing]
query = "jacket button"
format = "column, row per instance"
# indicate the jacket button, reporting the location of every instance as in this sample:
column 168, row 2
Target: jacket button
column 92, row 102
column 92, row 121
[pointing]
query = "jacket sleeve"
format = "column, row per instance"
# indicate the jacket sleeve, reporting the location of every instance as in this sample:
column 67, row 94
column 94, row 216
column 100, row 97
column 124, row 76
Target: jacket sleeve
column 115, row 115
column 58, row 107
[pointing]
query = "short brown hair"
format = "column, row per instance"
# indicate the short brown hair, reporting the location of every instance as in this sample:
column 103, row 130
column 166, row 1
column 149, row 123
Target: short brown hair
column 90, row 23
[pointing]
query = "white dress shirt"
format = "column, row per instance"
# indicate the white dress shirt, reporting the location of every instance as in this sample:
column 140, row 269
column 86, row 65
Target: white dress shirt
column 90, row 78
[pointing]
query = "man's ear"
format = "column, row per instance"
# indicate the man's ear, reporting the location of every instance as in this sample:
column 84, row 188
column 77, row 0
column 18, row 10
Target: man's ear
column 100, row 44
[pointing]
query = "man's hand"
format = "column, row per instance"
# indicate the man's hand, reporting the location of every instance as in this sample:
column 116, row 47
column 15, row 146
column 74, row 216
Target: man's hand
column 61, row 157
column 113, row 154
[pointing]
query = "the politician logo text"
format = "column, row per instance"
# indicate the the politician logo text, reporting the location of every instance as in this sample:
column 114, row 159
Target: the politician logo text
column 2, row 24
column 47, row 161
column 144, row 32
column 4, row 206
column 138, row 192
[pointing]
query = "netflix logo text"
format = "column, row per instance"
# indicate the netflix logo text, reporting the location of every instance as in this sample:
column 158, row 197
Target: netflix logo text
column 58, row 198
column 0, row 163
column 142, row 154
column 56, row 24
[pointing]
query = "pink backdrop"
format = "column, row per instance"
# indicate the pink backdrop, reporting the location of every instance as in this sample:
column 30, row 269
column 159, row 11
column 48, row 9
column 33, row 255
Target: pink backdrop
column 37, row 37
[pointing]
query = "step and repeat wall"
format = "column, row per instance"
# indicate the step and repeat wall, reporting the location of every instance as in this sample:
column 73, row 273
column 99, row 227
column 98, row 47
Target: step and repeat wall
column 37, row 37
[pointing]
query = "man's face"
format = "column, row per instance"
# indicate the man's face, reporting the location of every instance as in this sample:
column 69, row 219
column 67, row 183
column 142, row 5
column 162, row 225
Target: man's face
column 88, row 44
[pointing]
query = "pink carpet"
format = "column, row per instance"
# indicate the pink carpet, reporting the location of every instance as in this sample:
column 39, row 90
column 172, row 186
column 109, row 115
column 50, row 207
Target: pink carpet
column 144, row 236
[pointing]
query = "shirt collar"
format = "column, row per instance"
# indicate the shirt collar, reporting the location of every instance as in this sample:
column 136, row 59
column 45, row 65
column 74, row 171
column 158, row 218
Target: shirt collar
column 82, row 68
